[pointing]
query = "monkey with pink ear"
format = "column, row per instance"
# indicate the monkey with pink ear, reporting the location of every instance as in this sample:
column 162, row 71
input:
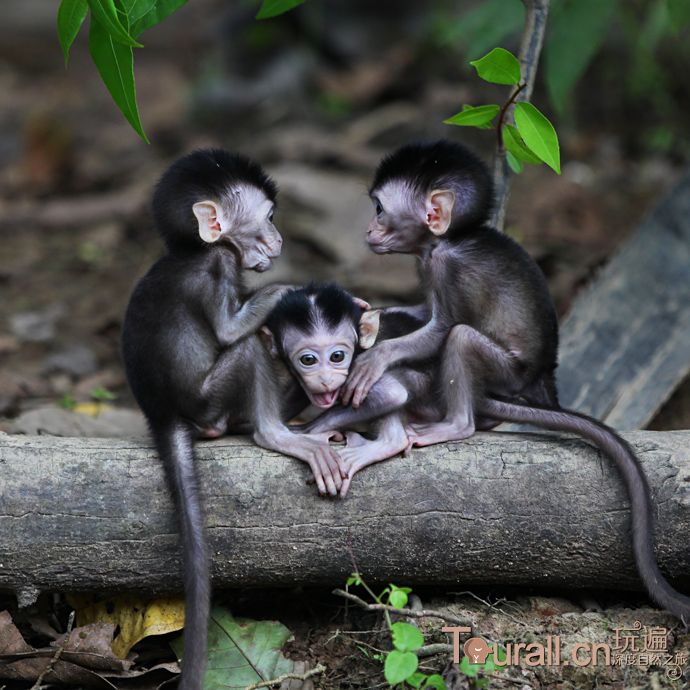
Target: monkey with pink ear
column 481, row 349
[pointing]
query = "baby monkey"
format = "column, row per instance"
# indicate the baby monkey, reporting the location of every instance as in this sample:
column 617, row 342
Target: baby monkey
column 489, row 325
column 408, row 393
column 191, row 358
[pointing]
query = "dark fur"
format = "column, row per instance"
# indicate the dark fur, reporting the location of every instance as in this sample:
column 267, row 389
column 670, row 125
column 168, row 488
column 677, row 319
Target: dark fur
column 207, row 173
column 297, row 310
column 493, row 323
column 426, row 166
column 184, row 378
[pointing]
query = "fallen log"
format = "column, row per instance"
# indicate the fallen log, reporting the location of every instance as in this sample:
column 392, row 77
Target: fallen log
column 500, row 508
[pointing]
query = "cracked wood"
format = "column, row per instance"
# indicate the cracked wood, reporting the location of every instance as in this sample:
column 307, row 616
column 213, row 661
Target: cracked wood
column 500, row 508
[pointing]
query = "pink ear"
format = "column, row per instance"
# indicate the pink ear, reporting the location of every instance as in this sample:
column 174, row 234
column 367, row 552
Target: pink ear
column 208, row 216
column 369, row 328
column 439, row 210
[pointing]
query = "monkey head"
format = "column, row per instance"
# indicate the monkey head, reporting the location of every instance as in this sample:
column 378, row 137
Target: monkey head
column 212, row 197
column 243, row 218
column 423, row 191
column 317, row 331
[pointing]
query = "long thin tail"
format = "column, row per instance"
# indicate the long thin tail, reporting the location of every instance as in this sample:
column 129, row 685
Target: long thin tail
column 636, row 483
column 176, row 450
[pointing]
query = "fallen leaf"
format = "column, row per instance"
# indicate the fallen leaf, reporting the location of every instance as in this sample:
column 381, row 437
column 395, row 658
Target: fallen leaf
column 136, row 617
column 242, row 651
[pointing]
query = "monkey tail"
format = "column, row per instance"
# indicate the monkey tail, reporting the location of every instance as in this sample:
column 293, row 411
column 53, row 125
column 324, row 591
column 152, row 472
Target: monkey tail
column 616, row 448
column 176, row 449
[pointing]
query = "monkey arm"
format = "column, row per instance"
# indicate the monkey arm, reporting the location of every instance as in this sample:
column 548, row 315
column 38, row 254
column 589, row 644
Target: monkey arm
column 272, row 433
column 370, row 366
column 387, row 396
column 250, row 317
column 416, row 311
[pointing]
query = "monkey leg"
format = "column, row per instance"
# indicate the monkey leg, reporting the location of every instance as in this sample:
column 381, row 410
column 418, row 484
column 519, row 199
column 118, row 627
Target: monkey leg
column 471, row 363
column 387, row 396
column 360, row 453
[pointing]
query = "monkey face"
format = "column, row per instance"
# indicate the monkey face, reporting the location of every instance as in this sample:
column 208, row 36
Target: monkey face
column 321, row 360
column 243, row 219
column 398, row 223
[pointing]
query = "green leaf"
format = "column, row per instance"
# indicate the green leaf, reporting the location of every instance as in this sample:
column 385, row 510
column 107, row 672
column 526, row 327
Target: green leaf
column 514, row 164
column 406, row 637
column 470, row 670
column 70, row 17
column 399, row 666
column 105, row 12
column 577, row 29
column 67, row 402
column 416, row 679
column 102, row 393
column 398, row 598
column 241, row 652
column 499, row 66
column 115, row 62
column 272, row 8
column 538, row 134
column 515, row 145
column 143, row 14
column 470, row 116
column 436, row 682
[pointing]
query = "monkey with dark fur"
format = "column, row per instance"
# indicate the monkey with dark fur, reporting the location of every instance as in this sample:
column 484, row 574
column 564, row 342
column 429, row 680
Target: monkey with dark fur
column 489, row 319
column 191, row 360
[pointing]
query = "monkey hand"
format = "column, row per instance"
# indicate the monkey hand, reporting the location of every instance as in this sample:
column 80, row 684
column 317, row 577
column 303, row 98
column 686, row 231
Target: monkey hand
column 326, row 466
column 367, row 369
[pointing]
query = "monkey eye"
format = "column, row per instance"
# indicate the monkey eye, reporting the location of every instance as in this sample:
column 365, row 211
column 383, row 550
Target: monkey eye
column 308, row 360
column 379, row 208
column 337, row 357
column 270, row 216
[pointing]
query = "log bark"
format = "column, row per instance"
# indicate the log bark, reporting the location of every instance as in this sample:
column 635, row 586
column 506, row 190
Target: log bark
column 499, row 508
column 630, row 329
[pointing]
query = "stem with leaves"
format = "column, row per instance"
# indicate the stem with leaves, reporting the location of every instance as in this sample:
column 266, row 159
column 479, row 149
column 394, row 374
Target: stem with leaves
column 530, row 48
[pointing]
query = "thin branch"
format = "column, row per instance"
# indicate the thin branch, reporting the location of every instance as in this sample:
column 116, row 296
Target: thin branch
column 56, row 657
column 421, row 613
column 536, row 12
column 317, row 670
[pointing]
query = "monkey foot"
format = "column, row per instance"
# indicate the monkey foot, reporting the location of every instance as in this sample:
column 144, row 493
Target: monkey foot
column 427, row 434
column 361, row 453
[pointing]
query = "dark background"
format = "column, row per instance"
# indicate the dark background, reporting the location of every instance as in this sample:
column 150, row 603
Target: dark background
column 317, row 96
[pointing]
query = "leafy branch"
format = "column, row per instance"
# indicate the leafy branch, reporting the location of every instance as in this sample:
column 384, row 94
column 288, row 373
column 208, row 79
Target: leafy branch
column 115, row 26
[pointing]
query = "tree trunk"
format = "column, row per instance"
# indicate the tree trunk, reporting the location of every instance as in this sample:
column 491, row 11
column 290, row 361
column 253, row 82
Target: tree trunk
column 500, row 508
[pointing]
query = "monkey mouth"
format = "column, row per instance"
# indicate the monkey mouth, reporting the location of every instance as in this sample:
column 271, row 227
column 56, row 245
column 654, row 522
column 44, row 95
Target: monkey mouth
column 262, row 265
column 325, row 400
column 378, row 248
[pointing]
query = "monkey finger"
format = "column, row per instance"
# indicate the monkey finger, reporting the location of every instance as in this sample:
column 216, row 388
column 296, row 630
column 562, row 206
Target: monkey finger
column 362, row 304
column 330, row 471
column 345, row 488
column 335, row 462
column 318, row 476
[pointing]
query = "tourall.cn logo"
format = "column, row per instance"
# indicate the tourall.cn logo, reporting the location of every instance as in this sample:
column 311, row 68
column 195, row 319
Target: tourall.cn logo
column 637, row 645
column 476, row 650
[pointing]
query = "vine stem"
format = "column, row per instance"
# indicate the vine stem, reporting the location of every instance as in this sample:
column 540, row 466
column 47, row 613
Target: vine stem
column 536, row 13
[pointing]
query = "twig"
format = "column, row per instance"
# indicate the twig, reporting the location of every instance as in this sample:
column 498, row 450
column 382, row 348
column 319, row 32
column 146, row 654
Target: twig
column 56, row 657
column 493, row 607
column 536, row 12
column 433, row 649
column 422, row 613
column 317, row 670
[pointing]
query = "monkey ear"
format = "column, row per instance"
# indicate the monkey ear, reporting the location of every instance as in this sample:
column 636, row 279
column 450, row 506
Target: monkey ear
column 269, row 341
column 208, row 215
column 369, row 328
column 439, row 210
